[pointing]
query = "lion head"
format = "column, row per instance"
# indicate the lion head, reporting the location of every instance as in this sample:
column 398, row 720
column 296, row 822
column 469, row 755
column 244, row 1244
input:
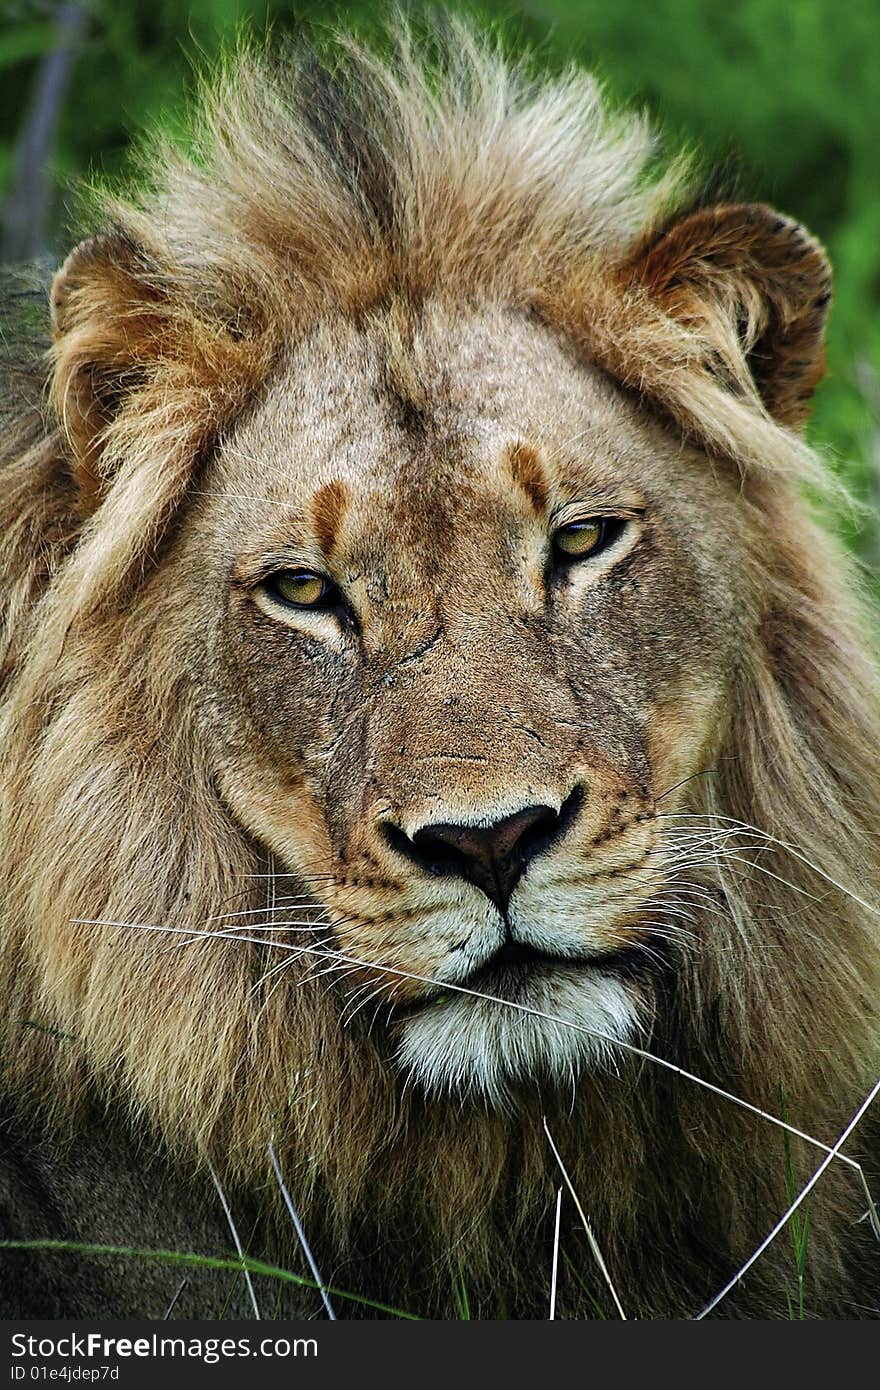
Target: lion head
column 428, row 694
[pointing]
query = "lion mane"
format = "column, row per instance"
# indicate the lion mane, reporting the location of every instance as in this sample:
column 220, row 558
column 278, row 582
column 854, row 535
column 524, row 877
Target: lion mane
column 312, row 188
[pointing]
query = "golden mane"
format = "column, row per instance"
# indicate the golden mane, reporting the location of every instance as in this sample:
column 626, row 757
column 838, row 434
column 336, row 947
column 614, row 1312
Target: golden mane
column 308, row 188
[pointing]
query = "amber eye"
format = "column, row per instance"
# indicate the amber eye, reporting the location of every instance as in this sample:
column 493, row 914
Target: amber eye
column 579, row 539
column 299, row 588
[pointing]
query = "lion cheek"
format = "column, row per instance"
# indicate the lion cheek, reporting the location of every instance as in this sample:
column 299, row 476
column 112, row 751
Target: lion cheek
column 681, row 734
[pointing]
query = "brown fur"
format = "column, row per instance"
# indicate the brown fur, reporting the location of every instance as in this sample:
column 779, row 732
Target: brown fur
column 380, row 322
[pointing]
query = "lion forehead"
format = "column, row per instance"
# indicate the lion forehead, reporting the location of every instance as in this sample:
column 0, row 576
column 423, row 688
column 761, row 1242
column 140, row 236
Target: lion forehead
column 410, row 421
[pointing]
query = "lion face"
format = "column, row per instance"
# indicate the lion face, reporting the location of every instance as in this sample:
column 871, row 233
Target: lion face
column 475, row 621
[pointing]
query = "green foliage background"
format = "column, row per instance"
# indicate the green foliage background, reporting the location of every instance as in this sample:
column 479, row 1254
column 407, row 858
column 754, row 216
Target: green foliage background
column 787, row 89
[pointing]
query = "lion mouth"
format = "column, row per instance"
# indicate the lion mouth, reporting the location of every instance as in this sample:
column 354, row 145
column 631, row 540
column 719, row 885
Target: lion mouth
column 516, row 967
column 518, row 962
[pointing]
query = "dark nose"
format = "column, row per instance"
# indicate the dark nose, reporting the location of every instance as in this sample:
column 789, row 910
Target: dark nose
column 494, row 856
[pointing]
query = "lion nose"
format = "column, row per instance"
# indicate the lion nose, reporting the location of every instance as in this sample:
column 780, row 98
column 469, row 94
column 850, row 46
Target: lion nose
column 492, row 857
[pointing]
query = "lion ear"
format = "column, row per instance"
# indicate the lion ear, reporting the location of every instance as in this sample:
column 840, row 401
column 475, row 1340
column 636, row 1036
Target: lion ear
column 107, row 321
column 756, row 285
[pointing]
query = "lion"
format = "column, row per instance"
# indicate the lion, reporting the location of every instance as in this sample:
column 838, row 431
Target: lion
column 440, row 739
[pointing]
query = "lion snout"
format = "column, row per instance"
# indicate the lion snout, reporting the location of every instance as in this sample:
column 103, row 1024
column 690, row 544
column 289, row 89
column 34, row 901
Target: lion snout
column 492, row 854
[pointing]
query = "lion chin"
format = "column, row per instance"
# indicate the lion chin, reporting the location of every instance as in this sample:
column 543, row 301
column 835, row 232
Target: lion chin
column 559, row 1020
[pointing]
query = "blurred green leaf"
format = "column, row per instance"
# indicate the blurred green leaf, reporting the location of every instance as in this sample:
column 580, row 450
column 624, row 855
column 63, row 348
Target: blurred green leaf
column 24, row 42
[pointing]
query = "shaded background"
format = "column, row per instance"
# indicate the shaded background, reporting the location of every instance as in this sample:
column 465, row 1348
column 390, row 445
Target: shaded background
column 786, row 90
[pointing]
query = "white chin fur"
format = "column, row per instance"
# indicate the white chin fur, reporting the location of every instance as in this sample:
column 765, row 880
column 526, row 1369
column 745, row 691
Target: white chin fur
column 475, row 1046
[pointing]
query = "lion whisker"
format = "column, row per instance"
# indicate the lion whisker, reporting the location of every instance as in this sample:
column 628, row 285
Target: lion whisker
column 651, row 952
column 730, row 858
column 280, row 969
column 671, row 909
column 299, row 875
column 693, row 898
column 345, row 973
column 797, row 853
column 662, row 931
column 369, row 992
column 309, row 978
column 706, row 772
column 235, row 931
column 284, row 906
column 289, row 926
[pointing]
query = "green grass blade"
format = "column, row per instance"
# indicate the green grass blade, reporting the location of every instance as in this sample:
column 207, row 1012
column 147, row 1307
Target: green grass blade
column 204, row 1262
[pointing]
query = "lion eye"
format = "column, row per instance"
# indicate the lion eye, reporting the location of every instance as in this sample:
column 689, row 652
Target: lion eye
column 299, row 588
column 579, row 539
